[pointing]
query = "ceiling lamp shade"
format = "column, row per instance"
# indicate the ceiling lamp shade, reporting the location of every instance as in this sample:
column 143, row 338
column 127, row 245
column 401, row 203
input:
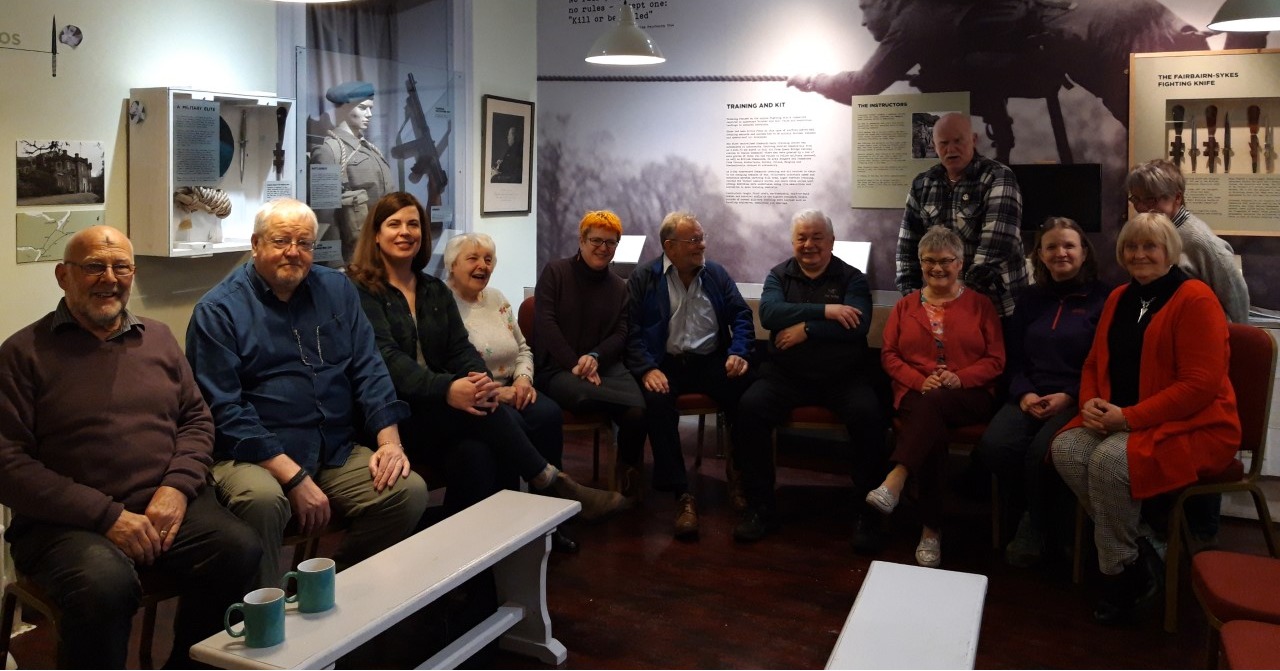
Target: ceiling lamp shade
column 1247, row 16
column 625, row 44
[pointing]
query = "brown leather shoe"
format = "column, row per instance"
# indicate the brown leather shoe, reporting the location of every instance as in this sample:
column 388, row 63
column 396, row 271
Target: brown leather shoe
column 596, row 503
column 687, row 518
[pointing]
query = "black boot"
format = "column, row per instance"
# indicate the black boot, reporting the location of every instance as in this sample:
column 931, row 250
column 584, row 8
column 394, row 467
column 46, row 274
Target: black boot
column 1136, row 586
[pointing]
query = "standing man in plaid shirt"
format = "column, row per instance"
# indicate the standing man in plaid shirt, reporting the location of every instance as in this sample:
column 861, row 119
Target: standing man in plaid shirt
column 976, row 197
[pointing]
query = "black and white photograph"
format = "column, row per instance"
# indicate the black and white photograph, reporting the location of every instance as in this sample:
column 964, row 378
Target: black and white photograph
column 922, row 134
column 60, row 172
column 507, row 131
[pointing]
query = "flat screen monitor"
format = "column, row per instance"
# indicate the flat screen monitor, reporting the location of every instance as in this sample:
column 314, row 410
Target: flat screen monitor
column 1057, row 190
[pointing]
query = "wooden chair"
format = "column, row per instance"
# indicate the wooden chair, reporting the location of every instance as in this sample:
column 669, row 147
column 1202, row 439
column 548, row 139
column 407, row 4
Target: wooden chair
column 573, row 422
column 1252, row 371
column 965, row 439
column 687, row 404
column 156, row 587
column 1231, row 587
column 703, row 405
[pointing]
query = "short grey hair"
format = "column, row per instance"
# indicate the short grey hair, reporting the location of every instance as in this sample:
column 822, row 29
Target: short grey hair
column 458, row 242
column 1153, row 226
column 939, row 239
column 667, row 230
column 812, row 216
column 1158, row 179
column 287, row 209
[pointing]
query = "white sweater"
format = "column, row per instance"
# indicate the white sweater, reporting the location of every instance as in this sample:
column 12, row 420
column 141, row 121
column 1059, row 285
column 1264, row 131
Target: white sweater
column 492, row 328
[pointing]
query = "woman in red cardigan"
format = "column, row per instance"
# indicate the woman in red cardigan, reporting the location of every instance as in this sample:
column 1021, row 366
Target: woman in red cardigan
column 1157, row 410
column 943, row 350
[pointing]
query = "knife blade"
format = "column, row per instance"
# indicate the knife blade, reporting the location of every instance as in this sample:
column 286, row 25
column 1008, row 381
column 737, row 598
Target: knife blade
column 1252, row 113
column 53, row 45
column 1177, row 148
column 1269, row 146
column 244, row 139
column 1195, row 146
column 1211, row 145
column 1226, row 142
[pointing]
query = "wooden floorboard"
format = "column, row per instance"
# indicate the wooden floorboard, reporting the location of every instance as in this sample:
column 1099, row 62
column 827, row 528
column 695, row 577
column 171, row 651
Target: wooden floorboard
column 636, row 598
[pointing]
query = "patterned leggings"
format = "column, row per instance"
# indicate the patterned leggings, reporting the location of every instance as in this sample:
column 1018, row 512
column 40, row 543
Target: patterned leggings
column 1097, row 469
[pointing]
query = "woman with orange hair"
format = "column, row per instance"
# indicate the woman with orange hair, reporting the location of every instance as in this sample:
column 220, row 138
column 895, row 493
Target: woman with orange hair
column 580, row 337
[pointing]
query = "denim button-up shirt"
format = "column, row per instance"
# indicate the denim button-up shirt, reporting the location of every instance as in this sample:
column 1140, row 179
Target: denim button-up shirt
column 295, row 378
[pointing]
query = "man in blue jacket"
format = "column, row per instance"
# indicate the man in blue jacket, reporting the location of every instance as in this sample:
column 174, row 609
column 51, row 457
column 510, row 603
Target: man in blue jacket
column 690, row 331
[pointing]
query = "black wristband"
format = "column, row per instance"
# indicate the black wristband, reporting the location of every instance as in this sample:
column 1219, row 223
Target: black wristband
column 295, row 480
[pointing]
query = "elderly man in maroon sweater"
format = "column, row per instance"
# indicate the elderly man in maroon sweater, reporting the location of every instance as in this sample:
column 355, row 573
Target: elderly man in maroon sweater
column 105, row 446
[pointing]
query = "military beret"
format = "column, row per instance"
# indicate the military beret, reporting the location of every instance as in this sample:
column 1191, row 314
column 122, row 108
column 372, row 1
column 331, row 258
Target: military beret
column 348, row 92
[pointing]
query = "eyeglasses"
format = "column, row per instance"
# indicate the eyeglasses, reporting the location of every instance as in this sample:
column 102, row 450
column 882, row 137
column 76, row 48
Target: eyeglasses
column 602, row 242
column 937, row 263
column 691, row 241
column 1145, row 204
column 97, row 268
column 284, row 243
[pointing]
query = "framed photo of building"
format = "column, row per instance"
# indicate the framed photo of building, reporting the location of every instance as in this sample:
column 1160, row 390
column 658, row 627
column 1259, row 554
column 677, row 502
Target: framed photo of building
column 507, row 147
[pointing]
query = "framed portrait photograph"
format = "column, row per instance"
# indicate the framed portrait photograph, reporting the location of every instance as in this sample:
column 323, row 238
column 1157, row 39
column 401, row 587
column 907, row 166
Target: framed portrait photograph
column 507, row 145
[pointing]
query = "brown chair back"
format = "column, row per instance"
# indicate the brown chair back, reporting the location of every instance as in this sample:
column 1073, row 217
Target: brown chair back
column 1253, row 373
column 524, row 319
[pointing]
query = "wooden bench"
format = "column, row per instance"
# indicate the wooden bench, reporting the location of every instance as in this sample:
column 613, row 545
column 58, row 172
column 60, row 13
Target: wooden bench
column 509, row 531
column 910, row 617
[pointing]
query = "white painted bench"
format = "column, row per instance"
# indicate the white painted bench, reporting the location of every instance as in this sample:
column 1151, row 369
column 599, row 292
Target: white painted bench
column 509, row 531
column 910, row 617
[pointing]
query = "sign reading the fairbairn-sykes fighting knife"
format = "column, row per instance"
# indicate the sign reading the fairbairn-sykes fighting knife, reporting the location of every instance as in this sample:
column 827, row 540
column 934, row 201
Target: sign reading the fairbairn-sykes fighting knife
column 1214, row 116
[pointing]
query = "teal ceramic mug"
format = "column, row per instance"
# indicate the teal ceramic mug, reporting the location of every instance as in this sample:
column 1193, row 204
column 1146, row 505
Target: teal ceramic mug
column 263, row 612
column 315, row 585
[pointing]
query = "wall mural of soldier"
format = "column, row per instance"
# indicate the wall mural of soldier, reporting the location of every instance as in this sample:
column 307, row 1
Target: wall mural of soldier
column 1048, row 82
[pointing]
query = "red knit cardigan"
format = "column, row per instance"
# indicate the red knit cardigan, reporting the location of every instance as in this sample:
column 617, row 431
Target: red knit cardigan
column 974, row 343
column 1184, row 425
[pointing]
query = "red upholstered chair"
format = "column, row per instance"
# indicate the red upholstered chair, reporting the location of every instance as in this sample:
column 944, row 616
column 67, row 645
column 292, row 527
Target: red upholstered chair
column 1250, row 645
column 688, row 404
column 965, row 439
column 573, row 422
column 1233, row 586
column 1252, row 371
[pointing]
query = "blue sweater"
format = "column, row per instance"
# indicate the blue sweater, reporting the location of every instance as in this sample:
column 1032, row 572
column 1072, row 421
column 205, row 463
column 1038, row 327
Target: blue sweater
column 1049, row 337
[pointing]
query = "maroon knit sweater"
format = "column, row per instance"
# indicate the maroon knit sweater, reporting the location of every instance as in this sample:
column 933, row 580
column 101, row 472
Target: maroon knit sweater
column 90, row 428
column 578, row 310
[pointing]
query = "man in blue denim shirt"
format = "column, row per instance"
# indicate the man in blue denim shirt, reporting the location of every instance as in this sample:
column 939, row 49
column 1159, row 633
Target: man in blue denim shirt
column 286, row 360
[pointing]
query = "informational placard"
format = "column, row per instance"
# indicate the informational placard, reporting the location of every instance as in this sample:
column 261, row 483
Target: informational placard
column 893, row 142
column 1214, row 115
column 195, row 143
column 325, row 190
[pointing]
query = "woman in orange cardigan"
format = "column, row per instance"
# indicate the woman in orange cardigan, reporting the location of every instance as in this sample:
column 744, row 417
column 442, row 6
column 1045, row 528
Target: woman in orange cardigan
column 943, row 350
column 1157, row 410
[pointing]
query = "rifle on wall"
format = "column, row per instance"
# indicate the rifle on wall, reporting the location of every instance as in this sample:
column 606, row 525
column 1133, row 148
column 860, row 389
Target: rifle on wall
column 422, row 148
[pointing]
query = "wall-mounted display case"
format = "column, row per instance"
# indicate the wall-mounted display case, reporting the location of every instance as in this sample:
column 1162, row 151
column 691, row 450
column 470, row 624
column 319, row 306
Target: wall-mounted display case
column 201, row 163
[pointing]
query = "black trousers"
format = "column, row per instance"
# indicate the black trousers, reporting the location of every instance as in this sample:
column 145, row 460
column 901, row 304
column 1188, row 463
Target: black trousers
column 692, row 373
column 95, row 585
column 768, row 402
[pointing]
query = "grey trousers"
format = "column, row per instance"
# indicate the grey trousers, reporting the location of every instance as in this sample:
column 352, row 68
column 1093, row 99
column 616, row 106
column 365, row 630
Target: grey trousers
column 1096, row 467
column 378, row 520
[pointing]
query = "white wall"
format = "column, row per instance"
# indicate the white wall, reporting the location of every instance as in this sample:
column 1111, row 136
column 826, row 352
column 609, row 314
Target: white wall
column 223, row 45
column 498, row 55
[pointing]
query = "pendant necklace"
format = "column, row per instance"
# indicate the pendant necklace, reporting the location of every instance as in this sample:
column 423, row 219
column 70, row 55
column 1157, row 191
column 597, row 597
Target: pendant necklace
column 1146, row 304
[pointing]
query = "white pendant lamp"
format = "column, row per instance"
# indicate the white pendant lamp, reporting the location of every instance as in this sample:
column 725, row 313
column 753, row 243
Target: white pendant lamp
column 625, row 44
column 1247, row 16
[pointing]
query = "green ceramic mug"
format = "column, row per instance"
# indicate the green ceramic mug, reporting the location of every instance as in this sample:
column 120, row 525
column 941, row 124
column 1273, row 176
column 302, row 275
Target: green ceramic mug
column 263, row 612
column 315, row 585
